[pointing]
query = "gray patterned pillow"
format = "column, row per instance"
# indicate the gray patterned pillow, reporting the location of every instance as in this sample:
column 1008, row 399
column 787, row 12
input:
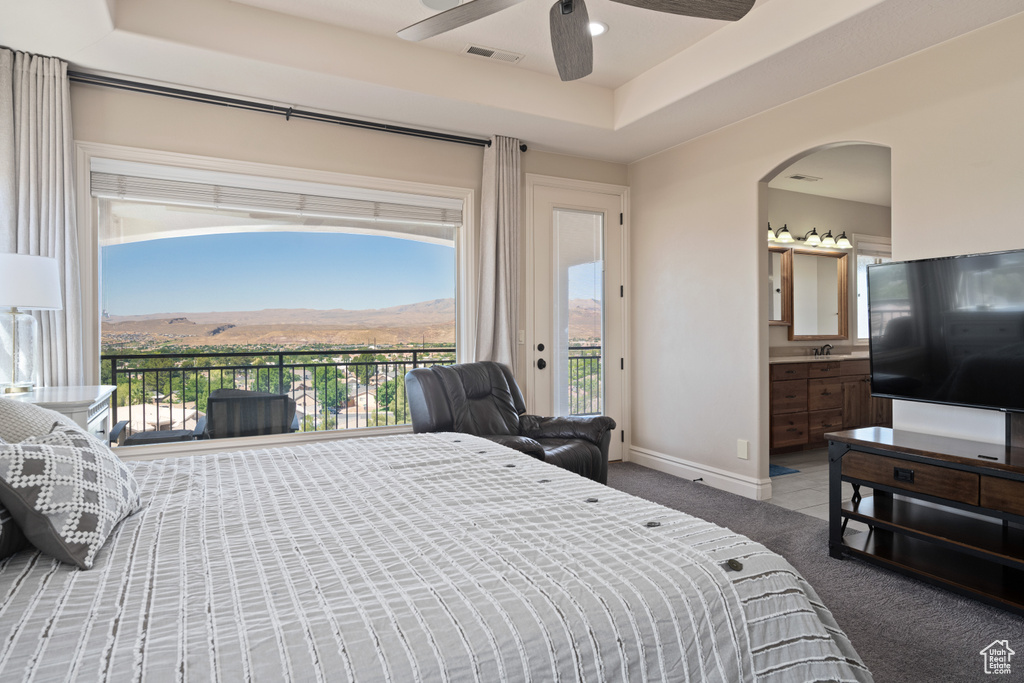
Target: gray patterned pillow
column 67, row 492
column 20, row 420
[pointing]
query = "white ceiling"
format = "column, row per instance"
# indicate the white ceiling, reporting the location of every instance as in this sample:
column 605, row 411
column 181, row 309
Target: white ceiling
column 659, row 80
column 636, row 40
column 858, row 173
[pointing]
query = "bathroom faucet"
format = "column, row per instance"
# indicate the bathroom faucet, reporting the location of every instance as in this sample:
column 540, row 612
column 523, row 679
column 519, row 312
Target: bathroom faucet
column 826, row 350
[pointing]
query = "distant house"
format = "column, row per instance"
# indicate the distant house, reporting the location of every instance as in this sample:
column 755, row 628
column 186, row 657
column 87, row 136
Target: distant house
column 150, row 417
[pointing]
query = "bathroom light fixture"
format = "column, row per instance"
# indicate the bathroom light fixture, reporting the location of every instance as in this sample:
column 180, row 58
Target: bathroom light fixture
column 812, row 239
column 597, row 28
column 781, row 235
column 828, row 241
column 843, row 242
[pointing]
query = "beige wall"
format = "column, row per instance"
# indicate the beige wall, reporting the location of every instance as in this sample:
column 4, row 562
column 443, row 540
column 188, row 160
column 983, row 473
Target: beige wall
column 801, row 212
column 951, row 116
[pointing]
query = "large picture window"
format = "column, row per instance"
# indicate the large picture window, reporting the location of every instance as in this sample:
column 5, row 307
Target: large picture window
column 326, row 294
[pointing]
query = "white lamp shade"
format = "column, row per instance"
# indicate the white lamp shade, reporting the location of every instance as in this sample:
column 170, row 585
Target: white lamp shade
column 29, row 282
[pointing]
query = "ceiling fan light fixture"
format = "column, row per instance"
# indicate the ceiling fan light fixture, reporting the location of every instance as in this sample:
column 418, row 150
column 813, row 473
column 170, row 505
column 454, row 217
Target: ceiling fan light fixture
column 440, row 5
column 598, row 28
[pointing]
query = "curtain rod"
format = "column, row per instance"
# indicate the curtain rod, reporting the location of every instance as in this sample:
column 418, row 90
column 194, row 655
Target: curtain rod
column 287, row 112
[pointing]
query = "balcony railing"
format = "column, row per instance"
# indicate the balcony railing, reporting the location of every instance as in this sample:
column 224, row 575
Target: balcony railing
column 585, row 380
column 333, row 389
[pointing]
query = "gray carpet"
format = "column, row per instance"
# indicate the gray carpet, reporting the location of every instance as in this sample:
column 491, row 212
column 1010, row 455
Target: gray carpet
column 905, row 630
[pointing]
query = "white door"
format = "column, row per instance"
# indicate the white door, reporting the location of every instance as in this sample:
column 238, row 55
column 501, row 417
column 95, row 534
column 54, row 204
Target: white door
column 576, row 343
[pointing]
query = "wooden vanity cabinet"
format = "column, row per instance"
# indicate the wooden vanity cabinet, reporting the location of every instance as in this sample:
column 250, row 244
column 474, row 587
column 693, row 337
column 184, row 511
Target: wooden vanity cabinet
column 810, row 399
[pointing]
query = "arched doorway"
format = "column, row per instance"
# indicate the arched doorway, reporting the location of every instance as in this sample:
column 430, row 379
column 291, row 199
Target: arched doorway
column 814, row 297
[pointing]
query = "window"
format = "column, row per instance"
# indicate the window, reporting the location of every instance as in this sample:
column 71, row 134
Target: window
column 869, row 250
column 327, row 293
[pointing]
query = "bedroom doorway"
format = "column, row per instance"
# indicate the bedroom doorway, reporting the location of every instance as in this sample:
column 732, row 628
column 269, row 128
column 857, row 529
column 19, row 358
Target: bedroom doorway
column 575, row 283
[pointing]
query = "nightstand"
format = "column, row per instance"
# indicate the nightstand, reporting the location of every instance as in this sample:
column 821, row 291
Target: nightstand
column 88, row 406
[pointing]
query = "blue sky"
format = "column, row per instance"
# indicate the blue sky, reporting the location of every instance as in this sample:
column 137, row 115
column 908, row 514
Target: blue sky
column 257, row 270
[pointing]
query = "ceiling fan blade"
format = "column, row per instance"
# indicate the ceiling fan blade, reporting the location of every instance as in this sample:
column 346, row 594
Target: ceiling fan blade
column 571, row 41
column 454, row 18
column 727, row 10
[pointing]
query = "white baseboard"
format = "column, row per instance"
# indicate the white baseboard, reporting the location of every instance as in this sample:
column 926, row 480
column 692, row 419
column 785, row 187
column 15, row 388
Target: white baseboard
column 748, row 487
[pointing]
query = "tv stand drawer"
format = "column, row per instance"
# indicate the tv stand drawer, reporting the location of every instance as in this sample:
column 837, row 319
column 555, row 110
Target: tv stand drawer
column 930, row 480
column 1005, row 495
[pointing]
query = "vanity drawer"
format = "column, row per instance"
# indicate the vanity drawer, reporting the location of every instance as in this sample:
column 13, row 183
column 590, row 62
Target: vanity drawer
column 788, row 371
column 855, row 367
column 940, row 482
column 789, row 430
column 823, row 369
column 1006, row 495
column 821, row 422
column 789, row 397
column 824, row 394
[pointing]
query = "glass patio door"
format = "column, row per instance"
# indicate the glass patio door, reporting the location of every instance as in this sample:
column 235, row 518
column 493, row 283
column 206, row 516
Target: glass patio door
column 577, row 349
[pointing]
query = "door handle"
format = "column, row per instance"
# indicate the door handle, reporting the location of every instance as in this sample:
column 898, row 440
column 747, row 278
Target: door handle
column 541, row 364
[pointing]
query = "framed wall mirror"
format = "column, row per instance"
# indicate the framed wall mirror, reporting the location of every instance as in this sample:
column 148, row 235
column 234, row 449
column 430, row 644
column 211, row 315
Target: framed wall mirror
column 819, row 284
column 780, row 286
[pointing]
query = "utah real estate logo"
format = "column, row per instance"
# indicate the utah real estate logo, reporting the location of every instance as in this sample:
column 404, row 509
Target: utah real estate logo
column 997, row 657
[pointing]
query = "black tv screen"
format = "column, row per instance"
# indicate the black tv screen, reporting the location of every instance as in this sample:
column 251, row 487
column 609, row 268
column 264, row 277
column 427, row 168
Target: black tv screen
column 949, row 330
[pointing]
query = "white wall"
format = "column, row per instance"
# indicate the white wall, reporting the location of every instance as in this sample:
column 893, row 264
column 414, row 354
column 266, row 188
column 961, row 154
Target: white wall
column 951, row 116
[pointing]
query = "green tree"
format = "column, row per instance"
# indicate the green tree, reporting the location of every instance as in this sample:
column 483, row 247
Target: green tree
column 330, row 388
column 391, row 397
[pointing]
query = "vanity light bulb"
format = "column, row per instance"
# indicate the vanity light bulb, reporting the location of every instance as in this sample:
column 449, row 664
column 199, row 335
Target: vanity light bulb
column 843, row 242
column 828, row 240
column 813, row 239
column 785, row 236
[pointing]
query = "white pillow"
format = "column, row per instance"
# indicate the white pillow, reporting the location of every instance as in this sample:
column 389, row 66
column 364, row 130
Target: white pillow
column 20, row 420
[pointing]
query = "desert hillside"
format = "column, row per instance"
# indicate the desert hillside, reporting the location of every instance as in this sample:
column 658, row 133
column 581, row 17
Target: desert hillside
column 431, row 322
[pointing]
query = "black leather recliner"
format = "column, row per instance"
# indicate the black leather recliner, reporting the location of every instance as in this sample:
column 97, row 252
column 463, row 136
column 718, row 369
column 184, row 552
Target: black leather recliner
column 483, row 399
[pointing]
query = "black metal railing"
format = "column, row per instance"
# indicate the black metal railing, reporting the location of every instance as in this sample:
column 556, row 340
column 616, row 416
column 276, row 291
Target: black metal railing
column 333, row 389
column 585, row 380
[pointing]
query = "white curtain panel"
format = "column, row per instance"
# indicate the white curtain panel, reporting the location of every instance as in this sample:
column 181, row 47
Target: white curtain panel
column 37, row 202
column 498, row 302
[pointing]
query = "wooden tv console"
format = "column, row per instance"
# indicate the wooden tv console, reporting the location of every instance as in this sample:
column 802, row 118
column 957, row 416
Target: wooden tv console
column 979, row 557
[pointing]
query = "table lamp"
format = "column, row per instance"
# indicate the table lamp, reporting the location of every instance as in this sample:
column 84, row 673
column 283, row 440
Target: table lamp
column 26, row 282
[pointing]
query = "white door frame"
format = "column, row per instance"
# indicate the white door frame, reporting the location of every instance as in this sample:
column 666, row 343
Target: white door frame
column 533, row 181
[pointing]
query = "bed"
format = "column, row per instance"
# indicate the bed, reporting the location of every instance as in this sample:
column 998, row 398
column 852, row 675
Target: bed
column 427, row 557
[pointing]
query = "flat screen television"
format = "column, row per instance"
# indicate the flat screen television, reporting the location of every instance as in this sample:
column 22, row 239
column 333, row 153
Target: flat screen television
column 949, row 330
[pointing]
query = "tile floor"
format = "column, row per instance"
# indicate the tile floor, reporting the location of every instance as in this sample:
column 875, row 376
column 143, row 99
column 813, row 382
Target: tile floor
column 807, row 490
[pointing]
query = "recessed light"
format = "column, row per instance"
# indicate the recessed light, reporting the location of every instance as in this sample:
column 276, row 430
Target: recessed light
column 597, row 28
column 440, row 5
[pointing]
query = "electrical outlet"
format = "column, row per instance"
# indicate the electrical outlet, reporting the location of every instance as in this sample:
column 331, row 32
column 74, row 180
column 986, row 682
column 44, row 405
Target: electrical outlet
column 521, row 337
column 742, row 449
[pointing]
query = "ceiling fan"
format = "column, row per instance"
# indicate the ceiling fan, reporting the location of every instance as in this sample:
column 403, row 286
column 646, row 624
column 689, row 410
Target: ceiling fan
column 570, row 34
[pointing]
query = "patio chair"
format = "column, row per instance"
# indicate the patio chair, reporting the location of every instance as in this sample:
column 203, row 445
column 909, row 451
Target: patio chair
column 239, row 412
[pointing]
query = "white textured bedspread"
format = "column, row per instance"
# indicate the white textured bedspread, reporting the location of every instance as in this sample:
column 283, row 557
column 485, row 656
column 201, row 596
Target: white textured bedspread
column 433, row 557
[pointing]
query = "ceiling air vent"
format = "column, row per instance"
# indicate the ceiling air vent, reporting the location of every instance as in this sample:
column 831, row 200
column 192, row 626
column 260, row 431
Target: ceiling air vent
column 491, row 53
column 806, row 178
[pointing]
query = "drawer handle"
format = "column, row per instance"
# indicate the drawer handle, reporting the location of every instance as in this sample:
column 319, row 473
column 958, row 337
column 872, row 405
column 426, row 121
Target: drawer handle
column 791, row 396
column 903, row 474
column 826, row 393
column 792, row 429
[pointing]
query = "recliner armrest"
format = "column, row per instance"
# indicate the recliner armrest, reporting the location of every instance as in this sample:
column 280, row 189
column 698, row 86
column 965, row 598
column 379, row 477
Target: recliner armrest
column 199, row 431
column 523, row 444
column 592, row 428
